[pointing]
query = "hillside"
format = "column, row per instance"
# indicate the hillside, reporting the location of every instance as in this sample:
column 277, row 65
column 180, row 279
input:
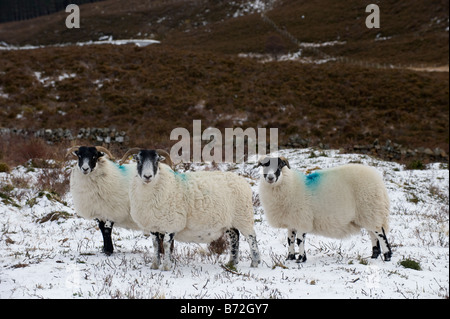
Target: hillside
column 367, row 90
column 411, row 32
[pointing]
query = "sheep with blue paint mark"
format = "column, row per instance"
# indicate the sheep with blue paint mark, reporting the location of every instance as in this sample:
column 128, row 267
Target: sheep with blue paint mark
column 194, row 207
column 99, row 188
column 335, row 202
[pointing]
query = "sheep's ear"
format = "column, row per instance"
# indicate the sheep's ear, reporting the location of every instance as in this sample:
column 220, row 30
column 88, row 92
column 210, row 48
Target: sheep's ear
column 100, row 154
column 285, row 162
column 161, row 158
column 75, row 153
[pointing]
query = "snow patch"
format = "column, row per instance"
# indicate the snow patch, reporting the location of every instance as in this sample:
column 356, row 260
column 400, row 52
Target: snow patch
column 3, row 94
column 296, row 56
column 250, row 7
column 103, row 40
column 62, row 258
column 50, row 81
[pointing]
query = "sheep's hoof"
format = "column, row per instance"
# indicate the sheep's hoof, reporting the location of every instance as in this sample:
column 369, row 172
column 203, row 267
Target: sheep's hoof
column 108, row 252
column 255, row 263
column 387, row 256
column 375, row 252
column 167, row 263
column 232, row 262
column 291, row 257
column 301, row 259
column 155, row 264
column 166, row 266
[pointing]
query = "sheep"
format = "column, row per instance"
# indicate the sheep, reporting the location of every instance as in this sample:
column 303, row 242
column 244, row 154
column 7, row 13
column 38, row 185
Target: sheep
column 99, row 188
column 334, row 202
column 190, row 207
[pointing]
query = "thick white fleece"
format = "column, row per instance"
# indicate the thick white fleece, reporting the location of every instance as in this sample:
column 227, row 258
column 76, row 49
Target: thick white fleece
column 334, row 202
column 103, row 193
column 197, row 206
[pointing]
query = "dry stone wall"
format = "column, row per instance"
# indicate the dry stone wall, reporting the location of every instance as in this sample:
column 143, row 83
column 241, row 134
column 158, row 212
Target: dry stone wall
column 95, row 135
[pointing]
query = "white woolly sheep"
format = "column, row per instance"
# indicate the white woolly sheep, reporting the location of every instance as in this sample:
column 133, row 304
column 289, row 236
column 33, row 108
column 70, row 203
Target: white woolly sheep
column 334, row 202
column 190, row 207
column 99, row 188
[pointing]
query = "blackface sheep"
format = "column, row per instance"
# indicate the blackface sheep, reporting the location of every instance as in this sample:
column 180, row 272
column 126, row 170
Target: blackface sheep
column 190, row 207
column 99, row 188
column 334, row 202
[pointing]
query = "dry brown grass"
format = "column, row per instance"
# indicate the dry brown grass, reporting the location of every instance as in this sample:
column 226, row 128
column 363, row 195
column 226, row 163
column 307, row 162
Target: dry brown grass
column 18, row 150
column 196, row 74
column 149, row 91
column 416, row 29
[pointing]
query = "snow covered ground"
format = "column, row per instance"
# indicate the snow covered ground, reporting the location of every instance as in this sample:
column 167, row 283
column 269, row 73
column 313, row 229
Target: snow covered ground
column 104, row 40
column 61, row 258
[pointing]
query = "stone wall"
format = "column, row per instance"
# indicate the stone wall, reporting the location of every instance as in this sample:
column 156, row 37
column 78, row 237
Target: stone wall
column 98, row 136
column 387, row 150
column 394, row 151
column 95, row 135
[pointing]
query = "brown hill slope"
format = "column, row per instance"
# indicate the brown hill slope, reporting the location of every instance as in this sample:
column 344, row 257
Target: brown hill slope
column 412, row 32
column 149, row 91
column 195, row 73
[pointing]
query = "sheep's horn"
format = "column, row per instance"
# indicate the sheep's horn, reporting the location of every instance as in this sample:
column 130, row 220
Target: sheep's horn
column 70, row 151
column 128, row 153
column 104, row 150
column 284, row 159
column 260, row 160
column 167, row 159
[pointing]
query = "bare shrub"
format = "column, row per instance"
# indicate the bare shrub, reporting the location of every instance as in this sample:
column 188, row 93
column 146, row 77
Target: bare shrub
column 54, row 181
column 219, row 246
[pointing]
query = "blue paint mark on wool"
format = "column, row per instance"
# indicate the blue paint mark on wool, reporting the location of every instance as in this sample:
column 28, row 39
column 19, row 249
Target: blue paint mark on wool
column 122, row 169
column 181, row 176
column 313, row 179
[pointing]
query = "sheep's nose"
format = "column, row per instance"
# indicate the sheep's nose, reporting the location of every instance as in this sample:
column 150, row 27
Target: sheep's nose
column 148, row 177
column 270, row 178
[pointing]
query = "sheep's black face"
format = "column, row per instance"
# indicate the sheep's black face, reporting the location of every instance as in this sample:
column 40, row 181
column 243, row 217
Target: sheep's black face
column 147, row 164
column 87, row 158
column 272, row 167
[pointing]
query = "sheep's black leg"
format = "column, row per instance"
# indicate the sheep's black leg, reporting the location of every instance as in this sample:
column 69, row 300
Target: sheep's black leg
column 376, row 250
column 292, row 233
column 233, row 237
column 301, row 245
column 385, row 245
column 157, row 249
column 106, row 229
